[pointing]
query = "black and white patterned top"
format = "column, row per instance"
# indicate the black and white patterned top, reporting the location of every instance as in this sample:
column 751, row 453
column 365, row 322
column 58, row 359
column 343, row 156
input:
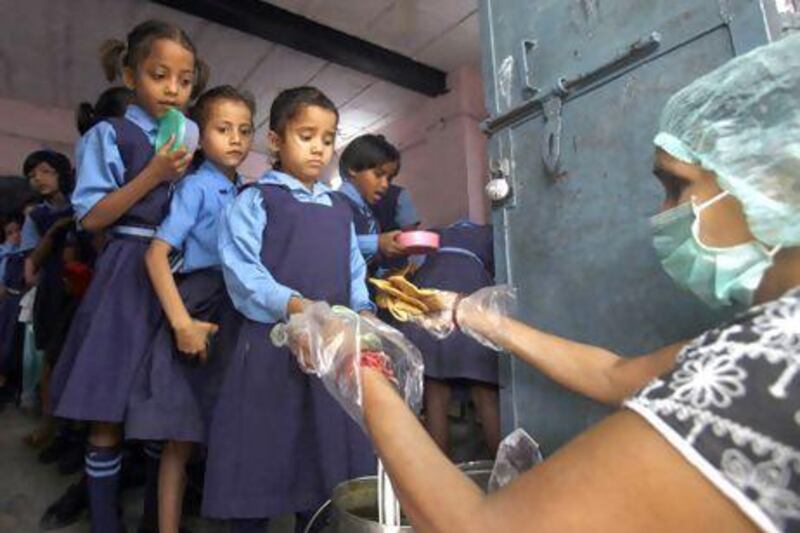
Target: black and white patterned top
column 731, row 407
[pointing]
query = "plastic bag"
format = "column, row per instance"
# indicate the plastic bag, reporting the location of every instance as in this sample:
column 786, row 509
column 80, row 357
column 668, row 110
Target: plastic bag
column 517, row 454
column 334, row 342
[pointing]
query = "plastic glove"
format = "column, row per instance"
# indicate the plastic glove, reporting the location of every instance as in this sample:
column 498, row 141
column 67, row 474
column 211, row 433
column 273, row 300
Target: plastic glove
column 334, row 343
column 440, row 323
column 517, row 453
column 489, row 306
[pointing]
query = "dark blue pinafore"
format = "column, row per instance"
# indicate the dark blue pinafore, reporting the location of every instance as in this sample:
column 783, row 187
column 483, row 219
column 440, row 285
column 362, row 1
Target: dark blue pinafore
column 14, row 282
column 116, row 320
column 364, row 224
column 464, row 264
column 52, row 298
column 278, row 441
column 173, row 396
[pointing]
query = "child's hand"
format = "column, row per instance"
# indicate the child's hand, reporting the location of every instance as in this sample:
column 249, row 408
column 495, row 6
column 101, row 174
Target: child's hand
column 388, row 246
column 62, row 224
column 193, row 338
column 166, row 165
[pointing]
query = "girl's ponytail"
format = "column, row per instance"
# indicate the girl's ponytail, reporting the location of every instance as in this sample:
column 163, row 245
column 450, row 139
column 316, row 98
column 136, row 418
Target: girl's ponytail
column 112, row 54
column 85, row 117
column 202, row 73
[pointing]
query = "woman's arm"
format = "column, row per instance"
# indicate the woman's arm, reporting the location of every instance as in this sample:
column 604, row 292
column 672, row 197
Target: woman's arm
column 432, row 491
column 589, row 370
column 190, row 334
column 620, row 475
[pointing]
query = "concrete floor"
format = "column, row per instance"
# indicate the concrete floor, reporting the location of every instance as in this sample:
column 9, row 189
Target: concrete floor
column 27, row 487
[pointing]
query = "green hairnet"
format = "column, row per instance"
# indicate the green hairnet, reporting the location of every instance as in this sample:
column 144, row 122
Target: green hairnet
column 742, row 121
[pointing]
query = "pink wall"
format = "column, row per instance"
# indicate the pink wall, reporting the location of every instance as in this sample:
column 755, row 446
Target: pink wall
column 444, row 152
column 25, row 127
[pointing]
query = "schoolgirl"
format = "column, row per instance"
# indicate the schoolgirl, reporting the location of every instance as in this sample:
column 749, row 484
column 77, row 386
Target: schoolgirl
column 123, row 186
column 279, row 443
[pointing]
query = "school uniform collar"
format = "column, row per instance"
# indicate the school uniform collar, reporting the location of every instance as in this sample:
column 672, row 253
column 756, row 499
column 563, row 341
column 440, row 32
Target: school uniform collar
column 139, row 116
column 349, row 190
column 208, row 167
column 295, row 186
column 464, row 222
column 54, row 208
column 7, row 249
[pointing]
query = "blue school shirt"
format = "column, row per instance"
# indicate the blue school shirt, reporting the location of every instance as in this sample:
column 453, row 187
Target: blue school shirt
column 253, row 289
column 99, row 166
column 367, row 243
column 6, row 250
column 195, row 209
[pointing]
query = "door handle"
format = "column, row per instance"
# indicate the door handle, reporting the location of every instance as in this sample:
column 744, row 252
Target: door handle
column 529, row 90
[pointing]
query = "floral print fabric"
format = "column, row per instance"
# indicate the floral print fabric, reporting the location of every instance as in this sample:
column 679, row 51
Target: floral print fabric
column 731, row 406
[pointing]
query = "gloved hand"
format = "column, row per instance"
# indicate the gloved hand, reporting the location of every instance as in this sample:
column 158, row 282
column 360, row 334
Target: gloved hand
column 334, row 343
column 488, row 307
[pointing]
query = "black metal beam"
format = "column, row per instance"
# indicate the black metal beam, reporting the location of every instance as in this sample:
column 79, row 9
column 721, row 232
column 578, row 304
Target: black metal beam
column 289, row 29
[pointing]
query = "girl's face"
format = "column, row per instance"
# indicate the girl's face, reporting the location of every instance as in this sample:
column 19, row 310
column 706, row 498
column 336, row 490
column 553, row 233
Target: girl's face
column 723, row 223
column 44, row 179
column 306, row 146
column 163, row 79
column 374, row 182
column 227, row 134
column 13, row 235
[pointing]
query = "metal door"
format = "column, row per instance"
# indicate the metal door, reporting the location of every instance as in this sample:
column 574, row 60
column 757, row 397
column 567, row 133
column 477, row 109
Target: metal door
column 575, row 88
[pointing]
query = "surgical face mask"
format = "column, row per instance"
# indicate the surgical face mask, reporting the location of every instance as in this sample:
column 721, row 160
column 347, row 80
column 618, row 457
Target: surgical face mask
column 720, row 277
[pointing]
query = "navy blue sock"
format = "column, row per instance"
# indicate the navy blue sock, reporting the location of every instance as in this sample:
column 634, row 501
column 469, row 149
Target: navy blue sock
column 249, row 525
column 152, row 454
column 103, row 467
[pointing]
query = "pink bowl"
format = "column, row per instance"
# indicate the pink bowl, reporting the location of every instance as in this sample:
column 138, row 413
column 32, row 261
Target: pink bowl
column 419, row 242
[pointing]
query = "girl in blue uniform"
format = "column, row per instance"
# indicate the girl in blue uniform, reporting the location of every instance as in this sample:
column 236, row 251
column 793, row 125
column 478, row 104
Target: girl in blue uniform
column 367, row 166
column 44, row 232
column 464, row 263
column 123, row 187
column 51, row 176
column 175, row 385
column 278, row 441
column 10, row 294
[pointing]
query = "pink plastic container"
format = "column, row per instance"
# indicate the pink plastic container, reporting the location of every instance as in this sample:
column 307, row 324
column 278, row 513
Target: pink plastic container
column 419, row 242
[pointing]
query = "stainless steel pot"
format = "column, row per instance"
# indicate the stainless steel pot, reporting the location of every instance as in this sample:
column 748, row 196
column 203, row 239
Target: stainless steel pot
column 353, row 504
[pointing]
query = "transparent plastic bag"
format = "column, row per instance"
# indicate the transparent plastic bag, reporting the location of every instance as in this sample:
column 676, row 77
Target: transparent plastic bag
column 517, row 454
column 333, row 343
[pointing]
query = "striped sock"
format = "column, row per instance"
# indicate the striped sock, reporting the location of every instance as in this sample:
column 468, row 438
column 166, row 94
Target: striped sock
column 152, row 452
column 103, row 467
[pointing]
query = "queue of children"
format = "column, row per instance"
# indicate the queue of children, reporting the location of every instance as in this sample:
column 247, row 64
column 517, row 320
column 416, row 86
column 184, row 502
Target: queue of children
column 128, row 344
